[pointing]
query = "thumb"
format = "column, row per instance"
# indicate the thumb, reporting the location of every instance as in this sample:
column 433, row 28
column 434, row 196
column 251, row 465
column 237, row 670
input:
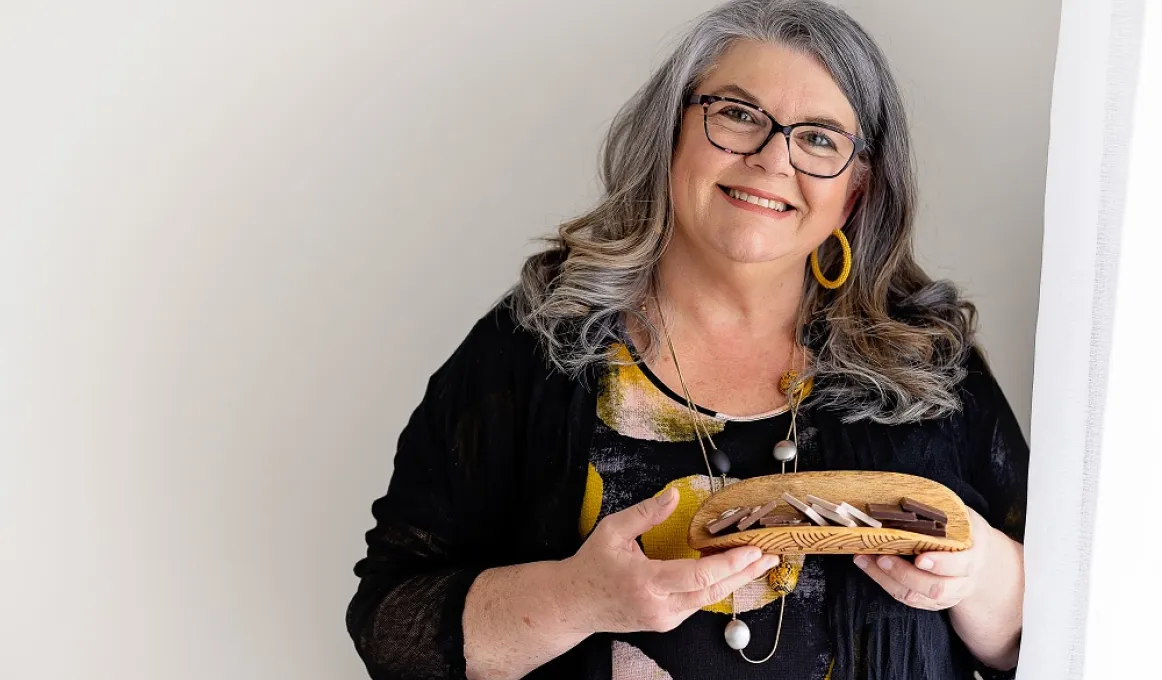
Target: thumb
column 637, row 519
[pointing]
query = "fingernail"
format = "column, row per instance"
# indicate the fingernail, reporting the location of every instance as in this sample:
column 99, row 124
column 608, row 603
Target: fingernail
column 769, row 562
column 861, row 561
column 924, row 563
column 667, row 496
column 886, row 563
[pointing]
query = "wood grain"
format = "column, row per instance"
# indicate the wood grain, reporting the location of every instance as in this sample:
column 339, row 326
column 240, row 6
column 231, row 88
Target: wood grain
column 853, row 486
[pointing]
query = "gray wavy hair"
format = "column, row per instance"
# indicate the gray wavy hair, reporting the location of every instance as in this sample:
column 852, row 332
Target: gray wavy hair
column 887, row 346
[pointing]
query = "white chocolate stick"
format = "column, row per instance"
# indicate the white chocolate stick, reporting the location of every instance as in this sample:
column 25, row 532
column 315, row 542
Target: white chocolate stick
column 805, row 509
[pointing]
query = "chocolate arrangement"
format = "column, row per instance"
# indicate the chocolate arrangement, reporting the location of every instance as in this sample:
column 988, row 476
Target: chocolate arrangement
column 907, row 515
column 833, row 512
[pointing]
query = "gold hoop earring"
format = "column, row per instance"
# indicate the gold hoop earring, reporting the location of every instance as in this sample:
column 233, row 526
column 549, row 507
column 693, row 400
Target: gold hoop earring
column 846, row 272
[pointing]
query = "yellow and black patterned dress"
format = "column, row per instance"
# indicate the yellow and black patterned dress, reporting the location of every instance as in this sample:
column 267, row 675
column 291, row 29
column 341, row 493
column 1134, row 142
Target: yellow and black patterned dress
column 643, row 444
column 506, row 455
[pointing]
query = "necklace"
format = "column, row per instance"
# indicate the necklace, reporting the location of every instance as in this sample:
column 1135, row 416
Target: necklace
column 737, row 632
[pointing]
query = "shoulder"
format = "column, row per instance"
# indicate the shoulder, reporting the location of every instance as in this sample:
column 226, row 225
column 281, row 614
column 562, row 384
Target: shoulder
column 495, row 346
column 977, row 400
column 979, row 392
column 498, row 330
column 984, row 428
column 496, row 356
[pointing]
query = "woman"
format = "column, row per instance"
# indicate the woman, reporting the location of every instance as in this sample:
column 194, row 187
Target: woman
column 535, row 523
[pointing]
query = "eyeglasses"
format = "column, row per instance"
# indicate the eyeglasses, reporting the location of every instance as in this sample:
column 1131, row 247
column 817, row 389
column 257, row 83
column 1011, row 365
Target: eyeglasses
column 739, row 127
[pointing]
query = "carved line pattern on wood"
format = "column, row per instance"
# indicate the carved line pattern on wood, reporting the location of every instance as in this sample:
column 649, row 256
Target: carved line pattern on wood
column 833, row 542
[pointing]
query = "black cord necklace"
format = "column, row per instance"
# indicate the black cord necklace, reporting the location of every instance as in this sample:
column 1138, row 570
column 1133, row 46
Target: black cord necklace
column 737, row 633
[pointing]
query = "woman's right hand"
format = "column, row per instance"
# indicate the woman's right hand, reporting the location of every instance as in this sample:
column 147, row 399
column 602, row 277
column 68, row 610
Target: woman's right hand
column 614, row 587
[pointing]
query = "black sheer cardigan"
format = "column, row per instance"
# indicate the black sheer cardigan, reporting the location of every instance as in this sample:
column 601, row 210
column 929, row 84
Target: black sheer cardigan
column 490, row 471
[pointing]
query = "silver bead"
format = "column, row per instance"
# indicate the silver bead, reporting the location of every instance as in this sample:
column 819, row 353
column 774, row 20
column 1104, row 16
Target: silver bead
column 737, row 634
column 785, row 451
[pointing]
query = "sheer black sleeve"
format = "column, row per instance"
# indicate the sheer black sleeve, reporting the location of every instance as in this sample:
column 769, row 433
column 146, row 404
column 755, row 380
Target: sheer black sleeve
column 428, row 544
column 998, row 466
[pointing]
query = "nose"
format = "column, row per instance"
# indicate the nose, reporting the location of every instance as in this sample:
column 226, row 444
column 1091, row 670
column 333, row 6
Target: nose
column 775, row 157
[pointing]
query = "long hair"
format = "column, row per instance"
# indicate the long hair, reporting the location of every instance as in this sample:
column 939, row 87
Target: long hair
column 888, row 345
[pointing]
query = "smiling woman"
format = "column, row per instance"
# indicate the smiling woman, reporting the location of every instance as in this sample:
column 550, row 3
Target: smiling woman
column 757, row 223
column 712, row 190
column 688, row 161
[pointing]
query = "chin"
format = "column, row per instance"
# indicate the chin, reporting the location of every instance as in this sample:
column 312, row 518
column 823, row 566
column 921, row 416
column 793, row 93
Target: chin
column 750, row 246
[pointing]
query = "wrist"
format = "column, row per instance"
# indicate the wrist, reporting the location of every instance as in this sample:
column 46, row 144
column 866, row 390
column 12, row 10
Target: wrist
column 571, row 599
column 1000, row 576
column 990, row 618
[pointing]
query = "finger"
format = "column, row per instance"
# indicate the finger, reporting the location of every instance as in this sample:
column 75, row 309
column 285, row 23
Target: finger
column 945, row 563
column 897, row 590
column 885, row 581
column 683, row 576
column 635, row 520
column 919, row 581
column 718, row 592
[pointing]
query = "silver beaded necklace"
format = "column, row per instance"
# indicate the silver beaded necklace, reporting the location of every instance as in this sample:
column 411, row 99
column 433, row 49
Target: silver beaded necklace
column 737, row 633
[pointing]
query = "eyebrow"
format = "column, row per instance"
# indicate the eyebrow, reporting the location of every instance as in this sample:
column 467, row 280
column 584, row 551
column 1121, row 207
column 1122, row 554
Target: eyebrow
column 734, row 90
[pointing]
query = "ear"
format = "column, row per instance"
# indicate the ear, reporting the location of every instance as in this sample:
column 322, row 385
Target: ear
column 854, row 194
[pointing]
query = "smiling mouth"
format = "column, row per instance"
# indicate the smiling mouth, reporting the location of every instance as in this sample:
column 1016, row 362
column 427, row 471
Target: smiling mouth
column 755, row 200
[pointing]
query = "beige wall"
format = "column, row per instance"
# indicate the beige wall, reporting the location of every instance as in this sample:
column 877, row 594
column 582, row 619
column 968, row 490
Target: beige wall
column 978, row 79
column 235, row 239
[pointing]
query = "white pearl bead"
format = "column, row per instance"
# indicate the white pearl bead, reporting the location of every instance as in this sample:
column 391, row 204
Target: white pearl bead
column 737, row 634
column 785, row 451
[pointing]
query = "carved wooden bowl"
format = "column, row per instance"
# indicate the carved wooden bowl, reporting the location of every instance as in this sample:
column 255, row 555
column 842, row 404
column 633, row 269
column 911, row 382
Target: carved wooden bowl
column 855, row 487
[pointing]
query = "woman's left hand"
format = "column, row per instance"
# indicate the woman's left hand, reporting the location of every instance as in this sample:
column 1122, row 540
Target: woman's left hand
column 937, row 580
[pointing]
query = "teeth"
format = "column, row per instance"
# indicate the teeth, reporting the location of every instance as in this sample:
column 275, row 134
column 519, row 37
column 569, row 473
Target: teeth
column 755, row 200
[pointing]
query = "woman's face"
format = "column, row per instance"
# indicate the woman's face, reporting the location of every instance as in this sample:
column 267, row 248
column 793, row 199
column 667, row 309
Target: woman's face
column 793, row 88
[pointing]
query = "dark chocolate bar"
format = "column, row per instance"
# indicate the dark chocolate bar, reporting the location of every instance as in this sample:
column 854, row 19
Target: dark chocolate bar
column 887, row 512
column 925, row 511
column 920, row 526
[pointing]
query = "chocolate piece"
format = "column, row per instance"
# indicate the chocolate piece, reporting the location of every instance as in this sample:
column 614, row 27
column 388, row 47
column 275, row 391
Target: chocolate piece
column 742, row 516
column 728, row 518
column 779, row 520
column 757, row 515
column 885, row 512
column 815, row 500
column 858, row 515
column 840, row 519
column 925, row 511
column 920, row 526
column 805, row 509
column 892, row 523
